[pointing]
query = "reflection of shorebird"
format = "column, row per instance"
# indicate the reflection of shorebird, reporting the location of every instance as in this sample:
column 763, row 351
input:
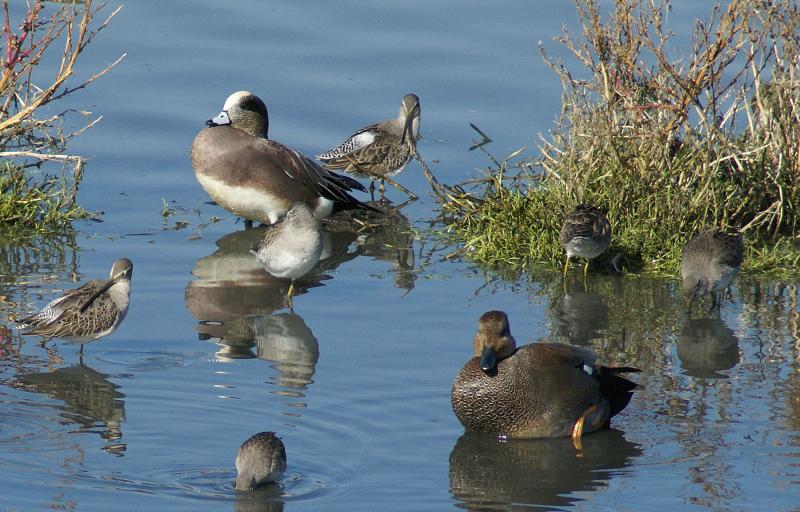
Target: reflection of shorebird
column 709, row 262
column 230, row 286
column 257, row 178
column 88, row 312
column 286, row 340
column 89, row 396
column 580, row 315
column 538, row 390
column 393, row 242
column 486, row 474
column 261, row 459
column 381, row 150
column 291, row 247
column 706, row 346
column 585, row 233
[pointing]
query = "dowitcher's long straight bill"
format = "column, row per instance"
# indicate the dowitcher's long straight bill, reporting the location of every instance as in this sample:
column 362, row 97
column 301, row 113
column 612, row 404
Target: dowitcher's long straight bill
column 125, row 273
column 410, row 116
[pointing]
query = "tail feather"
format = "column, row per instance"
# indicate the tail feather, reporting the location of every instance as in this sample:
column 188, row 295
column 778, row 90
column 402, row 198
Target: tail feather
column 616, row 389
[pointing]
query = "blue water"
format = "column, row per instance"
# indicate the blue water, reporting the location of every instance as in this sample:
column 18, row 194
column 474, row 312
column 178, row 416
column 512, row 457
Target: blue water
column 357, row 381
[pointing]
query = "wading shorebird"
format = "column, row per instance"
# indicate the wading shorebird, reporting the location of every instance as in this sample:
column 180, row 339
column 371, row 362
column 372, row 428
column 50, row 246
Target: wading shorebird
column 259, row 179
column 260, row 460
column 381, row 150
column 709, row 263
column 537, row 390
column 87, row 313
column 291, row 247
column 585, row 233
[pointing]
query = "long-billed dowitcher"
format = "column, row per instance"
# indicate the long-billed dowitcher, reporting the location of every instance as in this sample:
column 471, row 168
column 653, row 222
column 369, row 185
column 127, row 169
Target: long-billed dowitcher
column 261, row 459
column 259, row 179
column 585, row 233
column 537, row 390
column 87, row 313
column 292, row 246
column 709, row 263
column 381, row 150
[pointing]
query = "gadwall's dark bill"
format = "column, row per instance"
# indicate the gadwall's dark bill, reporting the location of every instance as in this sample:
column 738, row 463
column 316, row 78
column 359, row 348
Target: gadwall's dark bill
column 709, row 263
column 381, row 150
column 292, row 246
column 260, row 460
column 86, row 313
column 538, row 390
column 259, row 179
column 585, row 233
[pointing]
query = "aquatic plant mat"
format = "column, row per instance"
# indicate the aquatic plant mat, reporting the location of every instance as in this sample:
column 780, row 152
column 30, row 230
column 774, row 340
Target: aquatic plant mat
column 667, row 139
column 31, row 133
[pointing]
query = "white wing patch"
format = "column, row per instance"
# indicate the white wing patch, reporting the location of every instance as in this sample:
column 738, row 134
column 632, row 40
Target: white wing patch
column 358, row 141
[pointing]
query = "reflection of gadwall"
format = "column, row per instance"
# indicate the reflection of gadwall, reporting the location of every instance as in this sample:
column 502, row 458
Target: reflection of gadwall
column 705, row 346
column 87, row 313
column 538, row 390
column 231, row 285
column 260, row 460
column 393, row 242
column 88, row 394
column 286, row 340
column 709, row 262
column 580, row 316
column 487, row 474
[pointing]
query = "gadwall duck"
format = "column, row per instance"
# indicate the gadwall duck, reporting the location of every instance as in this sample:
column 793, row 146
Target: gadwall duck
column 538, row 390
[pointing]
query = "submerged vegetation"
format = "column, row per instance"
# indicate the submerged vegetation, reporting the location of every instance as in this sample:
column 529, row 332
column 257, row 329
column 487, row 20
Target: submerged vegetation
column 665, row 145
column 30, row 134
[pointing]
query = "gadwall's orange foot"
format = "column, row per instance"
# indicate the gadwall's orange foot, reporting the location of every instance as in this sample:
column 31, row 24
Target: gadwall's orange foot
column 538, row 390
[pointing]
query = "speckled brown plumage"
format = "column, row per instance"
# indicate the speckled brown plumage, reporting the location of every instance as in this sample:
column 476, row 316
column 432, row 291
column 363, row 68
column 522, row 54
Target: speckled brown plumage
column 539, row 390
column 586, row 233
column 88, row 312
column 380, row 150
column 261, row 459
column 709, row 263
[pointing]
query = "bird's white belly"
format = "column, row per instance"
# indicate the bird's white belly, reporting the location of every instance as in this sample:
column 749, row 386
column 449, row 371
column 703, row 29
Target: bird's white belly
column 292, row 264
column 584, row 247
column 246, row 202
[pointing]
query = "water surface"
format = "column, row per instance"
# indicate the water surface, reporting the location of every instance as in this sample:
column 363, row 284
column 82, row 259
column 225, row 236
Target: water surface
column 357, row 380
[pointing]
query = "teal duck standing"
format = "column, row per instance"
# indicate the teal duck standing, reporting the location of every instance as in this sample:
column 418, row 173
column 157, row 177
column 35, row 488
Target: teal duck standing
column 87, row 313
column 585, row 233
column 380, row 150
column 709, row 263
column 537, row 390
column 259, row 179
column 260, row 460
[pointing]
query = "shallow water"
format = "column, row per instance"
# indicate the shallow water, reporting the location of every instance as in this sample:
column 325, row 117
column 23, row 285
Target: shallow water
column 357, row 380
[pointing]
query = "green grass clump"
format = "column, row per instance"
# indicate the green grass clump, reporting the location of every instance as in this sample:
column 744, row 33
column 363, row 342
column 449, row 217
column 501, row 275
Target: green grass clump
column 666, row 145
column 39, row 204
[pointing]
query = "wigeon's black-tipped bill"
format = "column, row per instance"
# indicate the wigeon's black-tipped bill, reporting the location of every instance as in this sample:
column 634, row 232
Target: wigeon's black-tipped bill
column 221, row 119
column 488, row 360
